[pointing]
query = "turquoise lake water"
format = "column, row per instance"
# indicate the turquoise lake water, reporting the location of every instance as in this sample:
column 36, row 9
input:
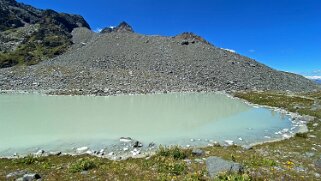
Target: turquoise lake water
column 32, row 121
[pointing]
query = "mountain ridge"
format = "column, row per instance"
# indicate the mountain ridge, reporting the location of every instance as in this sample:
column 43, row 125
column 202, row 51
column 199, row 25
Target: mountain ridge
column 29, row 35
column 118, row 60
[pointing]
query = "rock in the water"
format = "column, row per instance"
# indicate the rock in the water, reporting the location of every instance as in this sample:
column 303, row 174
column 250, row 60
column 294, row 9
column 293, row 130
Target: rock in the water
column 229, row 142
column 40, row 152
column 125, row 139
column 197, row 152
column 137, row 144
column 82, row 149
column 216, row 165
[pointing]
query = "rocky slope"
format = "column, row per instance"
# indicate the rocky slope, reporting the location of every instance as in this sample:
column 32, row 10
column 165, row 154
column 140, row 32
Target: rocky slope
column 121, row 61
column 29, row 35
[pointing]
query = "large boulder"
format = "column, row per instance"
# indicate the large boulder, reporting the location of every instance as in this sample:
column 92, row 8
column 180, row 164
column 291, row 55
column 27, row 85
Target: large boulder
column 216, row 165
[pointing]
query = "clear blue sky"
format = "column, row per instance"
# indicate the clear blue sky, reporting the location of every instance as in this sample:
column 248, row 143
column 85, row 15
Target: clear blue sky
column 284, row 34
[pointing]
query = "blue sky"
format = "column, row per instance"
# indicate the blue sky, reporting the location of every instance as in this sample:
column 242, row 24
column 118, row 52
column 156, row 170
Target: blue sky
column 283, row 34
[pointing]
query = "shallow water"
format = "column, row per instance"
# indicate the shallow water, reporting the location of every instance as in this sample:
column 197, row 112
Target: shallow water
column 32, row 121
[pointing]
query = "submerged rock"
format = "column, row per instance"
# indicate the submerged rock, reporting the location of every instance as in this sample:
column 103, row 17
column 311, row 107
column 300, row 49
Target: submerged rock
column 137, row 144
column 125, row 139
column 82, row 149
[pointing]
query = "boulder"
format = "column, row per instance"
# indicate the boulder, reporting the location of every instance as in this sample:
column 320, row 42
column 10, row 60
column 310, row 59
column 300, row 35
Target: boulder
column 197, row 152
column 216, row 165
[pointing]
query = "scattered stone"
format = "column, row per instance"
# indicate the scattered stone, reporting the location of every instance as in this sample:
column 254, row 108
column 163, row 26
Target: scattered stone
column 197, row 160
column 309, row 154
column 247, row 147
column 241, row 139
column 111, row 154
column 317, row 165
column 216, row 165
column 125, row 149
column 229, row 142
column 84, row 172
column 286, row 136
column 137, row 144
column 40, row 152
column 30, row 177
column 151, row 144
column 299, row 169
column 82, row 149
column 58, row 153
column 312, row 136
column 16, row 174
column 125, row 139
column 197, row 152
column 135, row 152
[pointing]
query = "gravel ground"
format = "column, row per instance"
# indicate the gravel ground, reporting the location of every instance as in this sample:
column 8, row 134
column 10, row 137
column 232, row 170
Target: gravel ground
column 127, row 62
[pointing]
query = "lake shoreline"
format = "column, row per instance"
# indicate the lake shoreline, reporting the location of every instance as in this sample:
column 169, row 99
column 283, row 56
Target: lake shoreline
column 146, row 153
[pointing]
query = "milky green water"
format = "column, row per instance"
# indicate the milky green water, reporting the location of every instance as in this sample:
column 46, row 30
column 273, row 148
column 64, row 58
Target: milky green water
column 32, row 121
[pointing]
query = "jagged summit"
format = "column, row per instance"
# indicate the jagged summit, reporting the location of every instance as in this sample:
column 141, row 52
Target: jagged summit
column 122, row 27
column 190, row 37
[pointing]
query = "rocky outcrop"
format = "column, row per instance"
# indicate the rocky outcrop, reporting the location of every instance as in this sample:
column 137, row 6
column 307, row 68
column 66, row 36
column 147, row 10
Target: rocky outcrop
column 29, row 35
column 122, row 27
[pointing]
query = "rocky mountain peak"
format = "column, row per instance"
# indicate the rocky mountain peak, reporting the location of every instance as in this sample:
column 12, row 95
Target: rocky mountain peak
column 29, row 35
column 122, row 27
column 189, row 37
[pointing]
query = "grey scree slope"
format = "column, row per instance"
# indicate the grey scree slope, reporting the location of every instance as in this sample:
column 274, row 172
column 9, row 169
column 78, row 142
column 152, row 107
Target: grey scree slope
column 125, row 62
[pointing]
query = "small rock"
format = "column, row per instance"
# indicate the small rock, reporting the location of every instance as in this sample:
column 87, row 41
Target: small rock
column 82, row 149
column 16, row 174
column 197, row 160
column 317, row 165
column 125, row 139
column 247, row 147
column 151, row 144
column 135, row 152
column 241, row 139
column 309, row 154
column 286, row 136
column 40, row 152
column 58, row 153
column 101, row 152
column 125, row 149
column 137, row 144
column 111, row 153
column 229, row 142
column 84, row 172
column 30, row 177
column 197, row 152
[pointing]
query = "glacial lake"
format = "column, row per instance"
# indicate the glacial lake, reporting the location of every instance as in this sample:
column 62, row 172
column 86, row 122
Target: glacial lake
column 29, row 122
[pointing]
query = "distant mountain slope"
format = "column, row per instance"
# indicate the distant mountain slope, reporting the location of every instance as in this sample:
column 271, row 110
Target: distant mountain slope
column 126, row 62
column 29, row 35
column 316, row 79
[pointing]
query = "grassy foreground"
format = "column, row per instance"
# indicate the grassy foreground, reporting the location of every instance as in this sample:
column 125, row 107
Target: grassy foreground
column 291, row 159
